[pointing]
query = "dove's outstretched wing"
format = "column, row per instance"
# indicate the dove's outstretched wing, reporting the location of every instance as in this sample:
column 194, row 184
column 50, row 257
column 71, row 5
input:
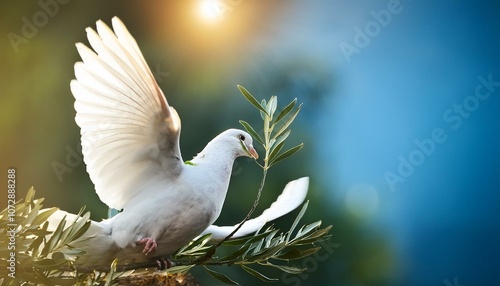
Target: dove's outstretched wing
column 292, row 196
column 127, row 126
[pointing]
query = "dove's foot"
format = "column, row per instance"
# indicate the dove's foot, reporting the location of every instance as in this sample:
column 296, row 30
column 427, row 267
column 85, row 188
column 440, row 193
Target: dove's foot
column 163, row 263
column 149, row 245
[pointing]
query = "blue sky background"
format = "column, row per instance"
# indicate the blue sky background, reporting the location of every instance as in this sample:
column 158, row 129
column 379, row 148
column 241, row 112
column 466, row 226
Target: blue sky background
column 444, row 219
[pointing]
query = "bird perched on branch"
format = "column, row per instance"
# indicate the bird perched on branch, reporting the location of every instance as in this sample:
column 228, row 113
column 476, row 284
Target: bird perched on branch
column 130, row 143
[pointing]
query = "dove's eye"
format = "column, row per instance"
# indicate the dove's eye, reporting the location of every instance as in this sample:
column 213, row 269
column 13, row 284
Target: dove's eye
column 241, row 137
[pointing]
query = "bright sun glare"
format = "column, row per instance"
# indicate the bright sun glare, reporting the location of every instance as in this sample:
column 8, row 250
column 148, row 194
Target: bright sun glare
column 209, row 10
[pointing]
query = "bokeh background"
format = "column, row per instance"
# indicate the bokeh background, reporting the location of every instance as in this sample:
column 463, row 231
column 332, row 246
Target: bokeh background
column 378, row 80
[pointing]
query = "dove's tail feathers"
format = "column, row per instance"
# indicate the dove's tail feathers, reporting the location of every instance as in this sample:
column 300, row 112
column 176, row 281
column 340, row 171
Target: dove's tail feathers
column 96, row 242
column 125, row 120
column 56, row 218
column 292, row 196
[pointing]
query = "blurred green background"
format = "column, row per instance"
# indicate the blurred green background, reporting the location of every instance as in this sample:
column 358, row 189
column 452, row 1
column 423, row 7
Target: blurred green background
column 374, row 76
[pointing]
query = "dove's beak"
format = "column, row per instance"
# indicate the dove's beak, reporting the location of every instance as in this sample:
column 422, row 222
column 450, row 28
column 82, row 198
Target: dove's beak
column 252, row 152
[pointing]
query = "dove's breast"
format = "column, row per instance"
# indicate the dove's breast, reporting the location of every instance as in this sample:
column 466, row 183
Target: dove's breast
column 170, row 212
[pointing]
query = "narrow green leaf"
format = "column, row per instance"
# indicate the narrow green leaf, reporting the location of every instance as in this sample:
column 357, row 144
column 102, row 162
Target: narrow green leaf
column 195, row 247
column 35, row 245
column 200, row 241
column 70, row 251
column 287, row 153
column 282, row 137
column 316, row 236
column 306, row 229
column 179, row 269
column 29, row 196
column 289, row 254
column 271, row 143
column 236, row 254
column 80, row 231
column 67, row 233
column 287, row 269
column 295, row 253
column 266, row 130
column 271, row 106
column 43, row 216
column 221, row 277
column 197, row 251
column 276, row 150
column 267, row 253
column 252, row 99
column 285, row 111
column 54, row 239
column 252, row 131
column 263, row 115
column 297, row 219
column 32, row 214
column 258, row 246
column 77, row 228
column 257, row 274
column 112, row 270
column 244, row 240
column 269, row 238
column 289, row 121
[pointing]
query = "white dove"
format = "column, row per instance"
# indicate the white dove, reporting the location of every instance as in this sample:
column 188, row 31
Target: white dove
column 130, row 144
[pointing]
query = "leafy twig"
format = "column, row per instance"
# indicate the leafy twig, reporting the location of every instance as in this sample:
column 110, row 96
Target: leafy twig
column 271, row 140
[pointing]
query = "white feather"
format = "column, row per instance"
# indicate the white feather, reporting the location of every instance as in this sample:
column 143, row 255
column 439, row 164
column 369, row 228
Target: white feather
column 125, row 121
column 291, row 197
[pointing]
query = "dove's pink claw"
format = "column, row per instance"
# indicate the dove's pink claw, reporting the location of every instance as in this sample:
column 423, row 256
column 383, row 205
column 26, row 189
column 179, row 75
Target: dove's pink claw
column 149, row 245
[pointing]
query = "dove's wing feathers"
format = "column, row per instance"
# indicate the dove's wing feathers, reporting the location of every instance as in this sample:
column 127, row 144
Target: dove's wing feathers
column 127, row 126
column 291, row 197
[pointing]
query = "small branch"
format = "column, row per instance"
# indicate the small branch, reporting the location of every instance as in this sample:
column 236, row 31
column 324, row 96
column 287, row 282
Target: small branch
column 139, row 265
column 119, row 268
column 267, row 132
column 211, row 252
column 255, row 203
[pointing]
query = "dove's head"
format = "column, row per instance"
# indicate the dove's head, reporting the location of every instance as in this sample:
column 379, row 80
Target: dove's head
column 242, row 142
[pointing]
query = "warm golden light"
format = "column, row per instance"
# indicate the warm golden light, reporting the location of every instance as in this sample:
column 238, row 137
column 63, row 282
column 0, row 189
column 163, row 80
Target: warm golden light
column 209, row 10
